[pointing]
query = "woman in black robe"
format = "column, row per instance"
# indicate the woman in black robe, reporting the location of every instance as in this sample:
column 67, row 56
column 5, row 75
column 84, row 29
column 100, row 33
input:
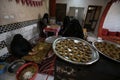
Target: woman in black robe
column 74, row 30
column 20, row 47
column 66, row 23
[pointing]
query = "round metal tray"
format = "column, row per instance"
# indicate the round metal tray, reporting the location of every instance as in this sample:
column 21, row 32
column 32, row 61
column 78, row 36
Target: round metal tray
column 109, row 42
column 94, row 53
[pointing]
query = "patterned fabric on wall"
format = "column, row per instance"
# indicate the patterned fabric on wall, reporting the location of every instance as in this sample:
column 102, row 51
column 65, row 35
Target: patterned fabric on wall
column 34, row 3
column 2, row 44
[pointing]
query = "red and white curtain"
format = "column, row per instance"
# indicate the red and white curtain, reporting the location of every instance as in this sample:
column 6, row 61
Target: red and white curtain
column 34, row 3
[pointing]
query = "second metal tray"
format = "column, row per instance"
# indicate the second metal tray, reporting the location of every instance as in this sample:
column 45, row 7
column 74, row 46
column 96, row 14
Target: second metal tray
column 110, row 44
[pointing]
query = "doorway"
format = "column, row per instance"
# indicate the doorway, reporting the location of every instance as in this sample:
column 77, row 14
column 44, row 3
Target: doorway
column 60, row 12
column 92, row 17
column 77, row 12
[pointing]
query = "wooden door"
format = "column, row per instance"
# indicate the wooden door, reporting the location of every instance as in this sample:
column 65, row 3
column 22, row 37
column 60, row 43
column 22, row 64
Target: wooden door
column 92, row 17
column 60, row 11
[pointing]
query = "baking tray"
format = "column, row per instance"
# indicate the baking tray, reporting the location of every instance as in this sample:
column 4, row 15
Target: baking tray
column 51, row 39
column 115, row 48
column 94, row 53
column 42, row 49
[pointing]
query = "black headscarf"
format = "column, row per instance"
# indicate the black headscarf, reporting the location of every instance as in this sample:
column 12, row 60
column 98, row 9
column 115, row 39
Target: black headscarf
column 74, row 30
column 66, row 23
column 45, row 18
column 20, row 46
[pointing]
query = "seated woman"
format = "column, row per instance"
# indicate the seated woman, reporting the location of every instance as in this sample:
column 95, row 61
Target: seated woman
column 45, row 19
column 41, row 27
column 20, row 47
column 74, row 30
column 45, row 22
column 65, row 25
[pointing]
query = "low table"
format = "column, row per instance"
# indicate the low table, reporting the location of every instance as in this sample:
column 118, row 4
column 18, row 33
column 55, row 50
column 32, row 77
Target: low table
column 104, row 69
column 52, row 28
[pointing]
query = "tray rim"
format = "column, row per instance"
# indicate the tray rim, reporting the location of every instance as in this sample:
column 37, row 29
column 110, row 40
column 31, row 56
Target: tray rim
column 87, row 63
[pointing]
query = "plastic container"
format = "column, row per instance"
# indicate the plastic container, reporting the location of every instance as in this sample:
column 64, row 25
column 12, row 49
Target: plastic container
column 15, row 65
column 24, row 67
column 2, row 67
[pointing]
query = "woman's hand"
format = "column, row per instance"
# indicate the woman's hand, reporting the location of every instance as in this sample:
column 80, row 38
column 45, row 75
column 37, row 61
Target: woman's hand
column 33, row 52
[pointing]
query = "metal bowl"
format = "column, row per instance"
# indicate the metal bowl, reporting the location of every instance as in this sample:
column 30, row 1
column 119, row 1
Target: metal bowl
column 51, row 39
column 15, row 65
column 94, row 53
column 103, row 53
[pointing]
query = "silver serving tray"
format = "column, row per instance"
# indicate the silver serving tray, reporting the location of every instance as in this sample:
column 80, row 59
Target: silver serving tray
column 51, row 39
column 117, row 45
column 94, row 53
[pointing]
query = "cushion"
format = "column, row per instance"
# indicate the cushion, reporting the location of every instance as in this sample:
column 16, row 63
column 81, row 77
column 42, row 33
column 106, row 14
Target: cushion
column 110, row 33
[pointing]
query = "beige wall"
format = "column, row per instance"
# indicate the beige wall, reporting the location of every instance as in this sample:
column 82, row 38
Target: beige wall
column 10, row 9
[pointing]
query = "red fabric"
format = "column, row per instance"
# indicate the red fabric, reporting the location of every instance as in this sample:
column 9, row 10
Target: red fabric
column 104, row 32
column 36, row 3
column 118, row 34
column 31, row 3
column 112, row 33
column 40, row 3
column 23, row 1
column 50, row 30
column 27, row 2
column 17, row 1
column 52, row 7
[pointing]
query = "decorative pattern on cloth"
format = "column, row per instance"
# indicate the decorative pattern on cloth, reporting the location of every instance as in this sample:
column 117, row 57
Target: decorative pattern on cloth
column 65, row 70
column 34, row 3
column 2, row 44
column 47, row 65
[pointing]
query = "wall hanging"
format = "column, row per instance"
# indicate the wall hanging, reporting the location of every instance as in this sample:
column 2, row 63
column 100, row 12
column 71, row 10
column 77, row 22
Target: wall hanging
column 33, row 3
